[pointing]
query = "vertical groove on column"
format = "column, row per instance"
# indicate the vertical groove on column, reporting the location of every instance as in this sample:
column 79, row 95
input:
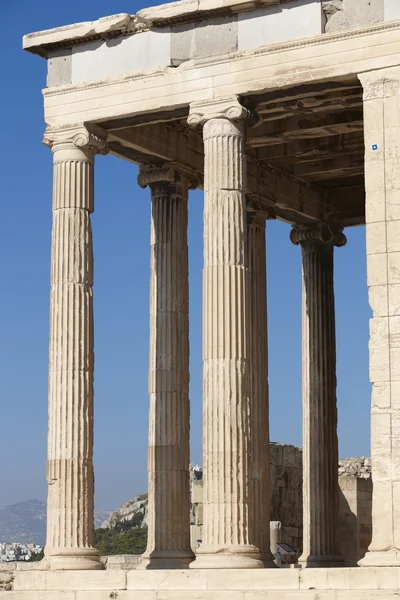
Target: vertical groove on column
column 169, row 493
column 70, row 527
column 260, row 451
column 320, row 444
column 228, row 526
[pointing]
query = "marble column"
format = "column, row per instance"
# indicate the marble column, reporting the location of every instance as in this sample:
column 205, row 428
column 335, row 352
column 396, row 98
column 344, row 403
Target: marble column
column 260, row 456
column 228, row 529
column 382, row 216
column 168, row 545
column 70, row 521
column 320, row 443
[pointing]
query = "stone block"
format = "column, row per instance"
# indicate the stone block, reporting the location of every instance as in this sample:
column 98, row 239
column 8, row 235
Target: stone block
column 381, row 392
column 379, row 368
column 392, row 174
column 391, row 106
column 182, row 43
column 380, row 447
column 376, row 238
column 374, row 176
column 59, row 595
column 375, row 144
column 252, row 579
column 216, row 36
column 120, row 595
column 395, row 394
column 59, row 68
column 197, row 492
column 393, row 235
column 167, row 580
column 120, row 56
column 392, row 10
column 375, row 207
column 279, row 23
column 378, row 299
column 395, row 364
column 374, row 114
column 63, row 580
column 377, row 269
column 393, row 267
column 379, row 332
column 392, row 205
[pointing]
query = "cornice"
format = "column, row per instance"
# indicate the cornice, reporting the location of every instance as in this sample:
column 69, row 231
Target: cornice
column 238, row 55
column 89, row 137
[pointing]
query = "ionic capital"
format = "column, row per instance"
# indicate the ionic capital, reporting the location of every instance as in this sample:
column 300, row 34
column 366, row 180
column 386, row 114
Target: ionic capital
column 222, row 108
column 83, row 137
column 257, row 212
column 323, row 233
column 149, row 174
column 169, row 173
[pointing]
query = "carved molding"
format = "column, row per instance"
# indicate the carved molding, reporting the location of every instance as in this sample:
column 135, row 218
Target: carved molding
column 324, row 233
column 89, row 137
column 222, row 108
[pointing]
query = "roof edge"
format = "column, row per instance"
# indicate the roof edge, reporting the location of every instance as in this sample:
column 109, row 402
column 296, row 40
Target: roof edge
column 46, row 41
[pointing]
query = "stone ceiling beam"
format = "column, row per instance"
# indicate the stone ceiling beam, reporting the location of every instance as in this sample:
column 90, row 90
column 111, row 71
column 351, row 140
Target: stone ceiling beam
column 309, row 127
column 294, row 200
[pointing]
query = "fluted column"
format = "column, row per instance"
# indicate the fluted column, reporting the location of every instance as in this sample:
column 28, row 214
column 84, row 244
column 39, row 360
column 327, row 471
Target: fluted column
column 320, row 443
column 168, row 544
column 228, row 530
column 70, row 521
column 260, row 456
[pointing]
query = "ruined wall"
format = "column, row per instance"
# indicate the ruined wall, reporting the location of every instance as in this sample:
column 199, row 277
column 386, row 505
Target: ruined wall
column 355, row 501
column 286, row 495
column 286, row 492
column 355, row 508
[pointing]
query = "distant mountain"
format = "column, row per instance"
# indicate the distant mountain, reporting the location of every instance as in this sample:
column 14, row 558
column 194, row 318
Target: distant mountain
column 25, row 522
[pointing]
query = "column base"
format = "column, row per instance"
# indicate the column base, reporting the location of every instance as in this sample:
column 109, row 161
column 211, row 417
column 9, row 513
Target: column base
column 74, row 559
column 323, row 562
column 166, row 560
column 227, row 557
column 386, row 558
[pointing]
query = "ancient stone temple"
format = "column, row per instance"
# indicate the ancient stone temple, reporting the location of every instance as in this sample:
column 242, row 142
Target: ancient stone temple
column 276, row 109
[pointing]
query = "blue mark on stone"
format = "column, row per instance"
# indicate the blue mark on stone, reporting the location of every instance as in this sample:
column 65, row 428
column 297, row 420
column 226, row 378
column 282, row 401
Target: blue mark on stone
column 374, row 146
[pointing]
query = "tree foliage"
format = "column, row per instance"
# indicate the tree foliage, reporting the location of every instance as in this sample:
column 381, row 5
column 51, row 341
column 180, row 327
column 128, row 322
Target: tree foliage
column 125, row 537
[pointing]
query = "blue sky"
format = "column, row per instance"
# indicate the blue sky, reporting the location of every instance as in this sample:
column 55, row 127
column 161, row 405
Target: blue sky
column 121, row 227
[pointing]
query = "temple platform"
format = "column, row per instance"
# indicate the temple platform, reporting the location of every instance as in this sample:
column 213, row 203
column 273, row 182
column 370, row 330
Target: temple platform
column 214, row 584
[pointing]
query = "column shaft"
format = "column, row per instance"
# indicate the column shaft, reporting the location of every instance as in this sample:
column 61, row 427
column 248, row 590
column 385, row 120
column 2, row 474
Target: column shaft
column 260, row 463
column 320, row 444
column 228, row 531
column 70, row 522
column 169, row 454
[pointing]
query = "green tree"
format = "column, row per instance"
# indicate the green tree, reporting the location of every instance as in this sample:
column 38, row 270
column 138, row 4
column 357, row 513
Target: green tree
column 125, row 537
